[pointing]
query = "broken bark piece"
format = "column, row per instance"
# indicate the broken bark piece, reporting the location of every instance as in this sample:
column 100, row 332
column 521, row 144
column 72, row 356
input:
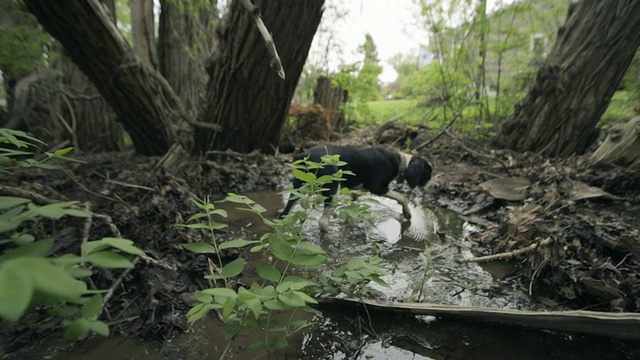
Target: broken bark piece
column 621, row 147
column 511, row 188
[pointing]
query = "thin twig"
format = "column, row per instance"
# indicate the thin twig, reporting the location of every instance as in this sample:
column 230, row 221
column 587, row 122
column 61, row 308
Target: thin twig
column 476, row 152
column 130, row 185
column 508, row 254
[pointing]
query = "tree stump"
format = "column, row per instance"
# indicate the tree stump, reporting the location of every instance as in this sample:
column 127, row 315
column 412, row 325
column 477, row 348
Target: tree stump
column 331, row 97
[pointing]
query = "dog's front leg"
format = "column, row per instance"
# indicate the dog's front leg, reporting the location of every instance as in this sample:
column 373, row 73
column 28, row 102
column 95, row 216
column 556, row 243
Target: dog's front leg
column 406, row 210
column 323, row 223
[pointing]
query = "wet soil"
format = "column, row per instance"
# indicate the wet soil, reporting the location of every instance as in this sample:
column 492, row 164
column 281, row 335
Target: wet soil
column 592, row 261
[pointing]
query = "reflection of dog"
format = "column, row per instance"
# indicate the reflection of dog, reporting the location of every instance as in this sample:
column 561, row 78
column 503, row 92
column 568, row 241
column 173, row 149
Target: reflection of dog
column 374, row 169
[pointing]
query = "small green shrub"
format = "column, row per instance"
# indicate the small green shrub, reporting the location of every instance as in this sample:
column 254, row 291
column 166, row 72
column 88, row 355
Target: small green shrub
column 282, row 288
column 30, row 276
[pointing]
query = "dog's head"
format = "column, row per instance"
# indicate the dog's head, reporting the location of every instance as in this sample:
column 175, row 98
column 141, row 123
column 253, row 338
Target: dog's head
column 418, row 172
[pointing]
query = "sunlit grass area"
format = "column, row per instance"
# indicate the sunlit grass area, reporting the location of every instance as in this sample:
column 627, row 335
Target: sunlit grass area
column 621, row 106
column 385, row 110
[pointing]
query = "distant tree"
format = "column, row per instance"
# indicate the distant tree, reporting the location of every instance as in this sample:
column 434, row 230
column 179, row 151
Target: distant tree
column 577, row 80
column 21, row 44
column 366, row 85
column 143, row 31
column 186, row 32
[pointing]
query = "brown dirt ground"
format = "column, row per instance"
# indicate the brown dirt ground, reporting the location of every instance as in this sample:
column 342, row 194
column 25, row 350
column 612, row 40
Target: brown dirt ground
column 592, row 259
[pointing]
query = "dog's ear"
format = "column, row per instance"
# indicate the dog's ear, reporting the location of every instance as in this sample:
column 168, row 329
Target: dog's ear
column 418, row 173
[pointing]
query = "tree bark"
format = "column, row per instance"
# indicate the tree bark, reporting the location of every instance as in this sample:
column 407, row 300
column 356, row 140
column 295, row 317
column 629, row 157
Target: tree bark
column 576, row 82
column 184, row 43
column 245, row 96
column 91, row 121
column 144, row 102
column 143, row 31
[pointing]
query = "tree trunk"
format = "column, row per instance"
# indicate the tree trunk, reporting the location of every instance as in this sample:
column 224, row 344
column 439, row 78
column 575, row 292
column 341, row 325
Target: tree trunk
column 575, row 84
column 184, row 43
column 89, row 117
column 331, row 97
column 244, row 94
column 143, row 31
column 145, row 103
column 86, row 112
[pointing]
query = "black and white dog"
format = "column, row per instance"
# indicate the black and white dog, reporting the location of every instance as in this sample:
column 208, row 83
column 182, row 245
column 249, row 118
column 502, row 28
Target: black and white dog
column 374, row 169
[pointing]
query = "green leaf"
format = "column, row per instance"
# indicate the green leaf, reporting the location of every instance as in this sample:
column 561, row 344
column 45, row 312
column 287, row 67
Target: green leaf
column 79, row 273
column 78, row 329
column 355, row 263
column 16, row 290
column 36, row 249
column 376, row 279
column 92, row 307
column 312, row 248
column 308, row 260
column 62, row 152
column 228, row 307
column 109, row 260
column 23, row 239
column 277, row 342
column 13, row 213
column 200, row 247
column 276, row 304
column 124, row 245
column 304, row 176
column 221, row 292
column 99, row 328
column 279, row 248
column 7, row 202
column 268, row 272
column 234, row 244
column 51, row 211
column 76, row 213
column 234, row 268
column 255, row 305
column 203, row 297
column 65, row 311
column 306, row 298
column 289, row 298
column 197, row 312
column 246, row 295
column 50, row 279
column 237, row 199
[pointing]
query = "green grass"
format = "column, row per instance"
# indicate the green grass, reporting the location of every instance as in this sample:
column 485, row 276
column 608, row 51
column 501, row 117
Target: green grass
column 621, row 106
column 385, row 110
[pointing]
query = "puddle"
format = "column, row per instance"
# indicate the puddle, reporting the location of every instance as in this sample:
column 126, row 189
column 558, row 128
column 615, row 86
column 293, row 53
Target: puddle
column 341, row 333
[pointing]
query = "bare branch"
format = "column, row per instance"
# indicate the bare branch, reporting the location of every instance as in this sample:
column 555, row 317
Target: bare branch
column 266, row 35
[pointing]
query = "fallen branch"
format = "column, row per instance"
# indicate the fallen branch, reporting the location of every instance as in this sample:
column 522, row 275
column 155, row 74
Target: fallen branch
column 617, row 325
column 130, row 185
column 508, row 254
column 268, row 39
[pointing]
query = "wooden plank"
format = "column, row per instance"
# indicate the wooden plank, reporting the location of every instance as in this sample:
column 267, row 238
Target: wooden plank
column 616, row 325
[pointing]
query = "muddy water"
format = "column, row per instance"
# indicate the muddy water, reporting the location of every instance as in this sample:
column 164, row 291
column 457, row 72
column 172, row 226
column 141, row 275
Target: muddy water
column 344, row 334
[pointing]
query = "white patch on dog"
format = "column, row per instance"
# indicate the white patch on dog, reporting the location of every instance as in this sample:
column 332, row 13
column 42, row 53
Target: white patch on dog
column 405, row 159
